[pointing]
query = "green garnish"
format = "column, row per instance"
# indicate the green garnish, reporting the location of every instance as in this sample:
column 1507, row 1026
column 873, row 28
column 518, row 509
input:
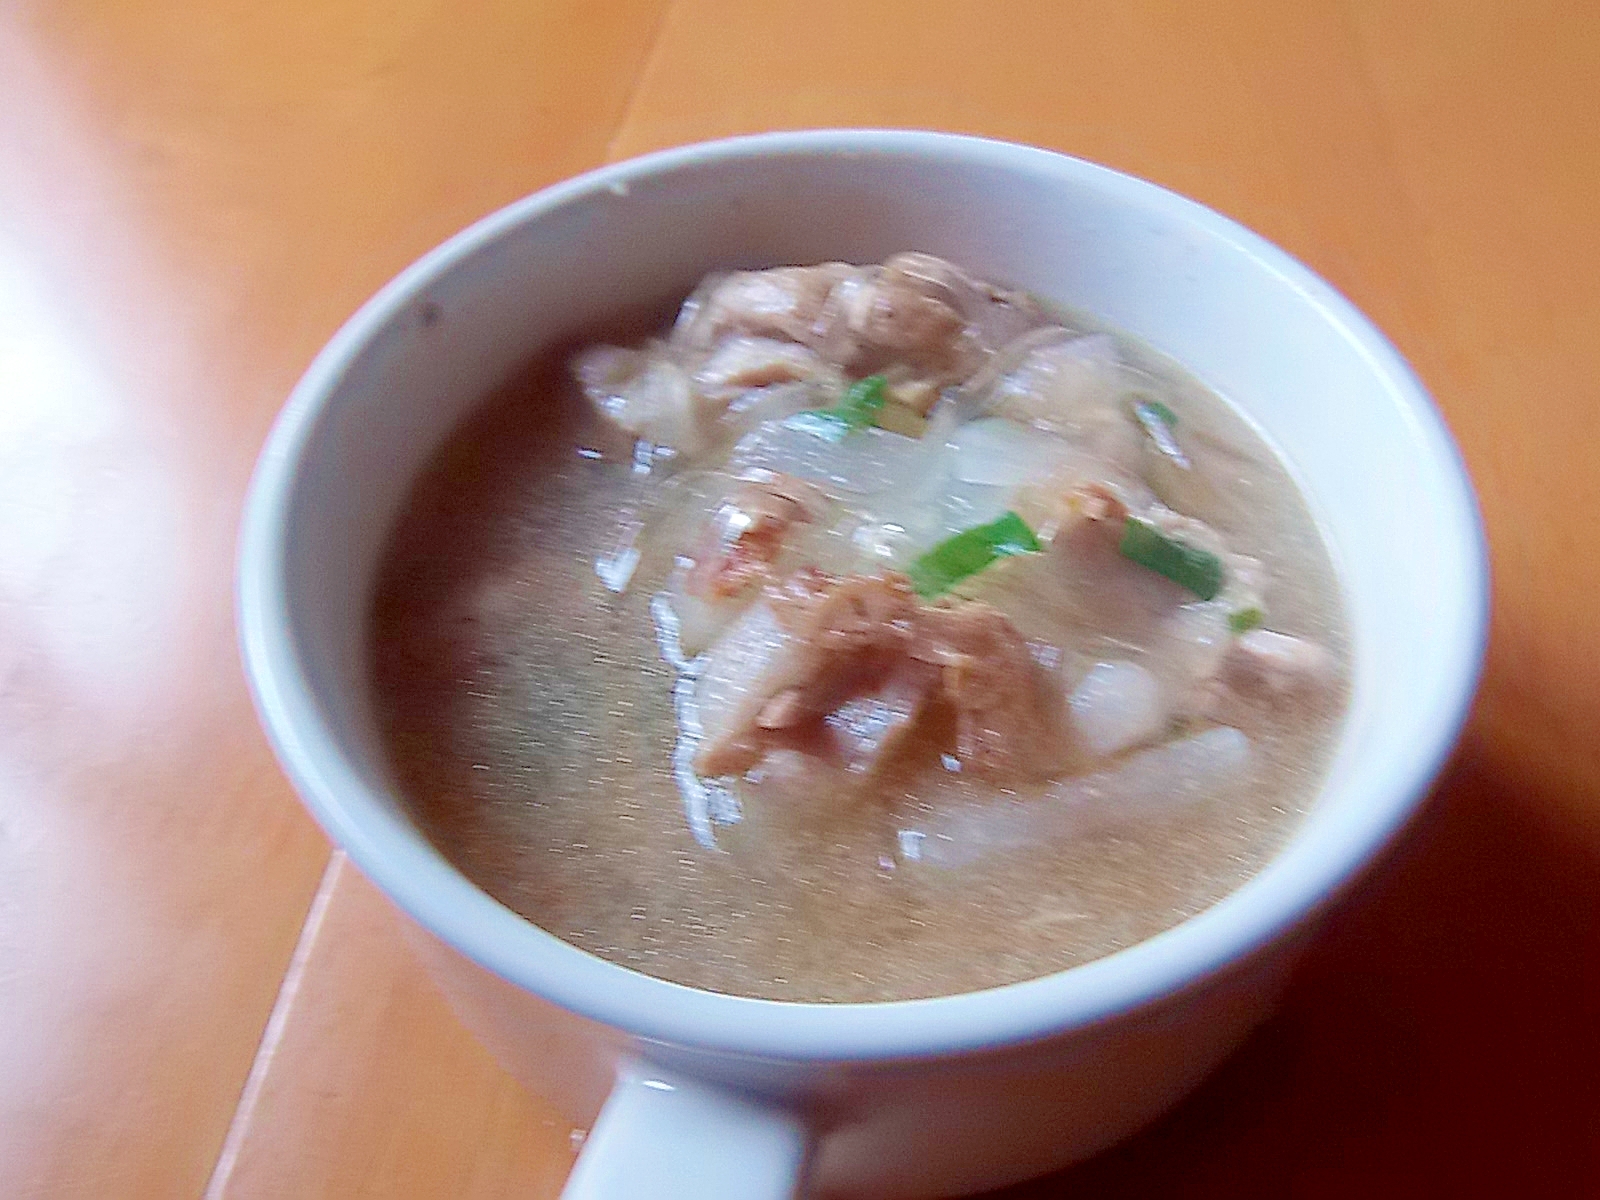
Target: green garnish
column 1160, row 411
column 856, row 409
column 1200, row 571
column 970, row 551
column 1245, row 619
column 862, row 400
column 1158, row 421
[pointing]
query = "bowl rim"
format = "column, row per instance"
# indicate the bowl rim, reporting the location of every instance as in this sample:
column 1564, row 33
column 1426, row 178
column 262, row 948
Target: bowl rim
column 432, row 892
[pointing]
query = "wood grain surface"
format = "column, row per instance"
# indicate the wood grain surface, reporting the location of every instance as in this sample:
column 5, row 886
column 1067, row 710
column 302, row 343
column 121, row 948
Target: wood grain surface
column 198, row 998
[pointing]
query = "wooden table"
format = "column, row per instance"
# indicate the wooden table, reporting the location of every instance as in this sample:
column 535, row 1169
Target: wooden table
column 196, row 997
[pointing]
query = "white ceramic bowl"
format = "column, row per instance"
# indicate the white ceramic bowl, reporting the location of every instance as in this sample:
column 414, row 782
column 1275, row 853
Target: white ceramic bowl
column 930, row 1096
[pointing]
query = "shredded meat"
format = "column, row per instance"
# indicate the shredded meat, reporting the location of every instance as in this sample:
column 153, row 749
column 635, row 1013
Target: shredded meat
column 747, row 532
column 742, row 363
column 784, row 303
column 883, row 315
column 994, row 317
column 917, row 319
column 1005, row 723
column 914, row 310
column 864, row 663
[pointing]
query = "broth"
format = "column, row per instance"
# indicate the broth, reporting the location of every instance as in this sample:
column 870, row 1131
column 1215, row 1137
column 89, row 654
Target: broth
column 528, row 704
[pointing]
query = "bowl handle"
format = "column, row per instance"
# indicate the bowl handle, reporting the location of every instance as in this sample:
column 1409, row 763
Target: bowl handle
column 670, row 1138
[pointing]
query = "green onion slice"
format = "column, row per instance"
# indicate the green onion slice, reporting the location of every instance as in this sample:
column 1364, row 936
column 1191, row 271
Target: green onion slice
column 1158, row 421
column 1200, row 571
column 1245, row 619
column 970, row 551
column 1161, row 412
column 856, row 409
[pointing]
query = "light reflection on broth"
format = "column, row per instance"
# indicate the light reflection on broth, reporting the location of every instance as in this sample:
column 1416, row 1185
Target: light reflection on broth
column 1039, row 760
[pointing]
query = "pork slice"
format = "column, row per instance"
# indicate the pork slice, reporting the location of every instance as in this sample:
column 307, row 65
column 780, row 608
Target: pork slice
column 853, row 632
column 745, row 533
column 884, row 320
column 647, row 394
column 818, row 643
column 1083, row 574
column 994, row 317
column 1269, row 665
column 739, row 364
column 782, row 303
column 1007, row 715
column 854, row 666
column 917, row 317
column 736, row 551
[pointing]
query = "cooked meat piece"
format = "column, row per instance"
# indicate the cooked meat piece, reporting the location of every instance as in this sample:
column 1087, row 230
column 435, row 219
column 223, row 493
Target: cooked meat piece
column 1007, row 723
column 784, row 303
column 848, row 612
column 921, row 318
column 746, row 532
column 822, row 641
column 737, row 550
column 852, row 631
column 1099, row 511
column 1274, row 665
column 741, row 363
column 870, row 728
column 646, row 394
column 993, row 316
column 882, row 315
column 1084, row 580
column 862, row 663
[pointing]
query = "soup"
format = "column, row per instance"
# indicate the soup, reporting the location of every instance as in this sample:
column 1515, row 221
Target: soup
column 868, row 633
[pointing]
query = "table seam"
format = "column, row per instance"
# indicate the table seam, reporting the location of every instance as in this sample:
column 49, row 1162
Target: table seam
column 646, row 65
column 273, row 1032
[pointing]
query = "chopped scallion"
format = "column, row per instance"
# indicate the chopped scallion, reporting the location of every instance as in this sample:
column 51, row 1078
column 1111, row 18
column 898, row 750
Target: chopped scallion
column 862, row 400
column 855, row 410
column 1158, row 421
column 1159, row 410
column 1199, row 571
column 970, row 551
column 1245, row 619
